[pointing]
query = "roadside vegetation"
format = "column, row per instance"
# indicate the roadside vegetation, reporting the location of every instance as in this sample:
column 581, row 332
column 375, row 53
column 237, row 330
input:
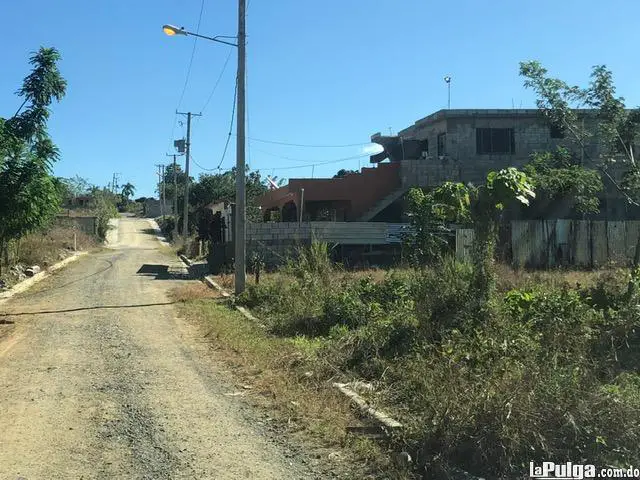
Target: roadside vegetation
column 487, row 368
column 31, row 198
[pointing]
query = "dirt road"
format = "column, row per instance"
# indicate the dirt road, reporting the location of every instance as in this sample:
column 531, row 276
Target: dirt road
column 106, row 382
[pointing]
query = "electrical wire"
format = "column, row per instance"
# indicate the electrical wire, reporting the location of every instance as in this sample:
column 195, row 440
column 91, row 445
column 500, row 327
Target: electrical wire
column 186, row 81
column 246, row 101
column 233, row 114
column 308, row 145
column 215, row 86
column 321, row 163
column 201, row 167
column 193, row 52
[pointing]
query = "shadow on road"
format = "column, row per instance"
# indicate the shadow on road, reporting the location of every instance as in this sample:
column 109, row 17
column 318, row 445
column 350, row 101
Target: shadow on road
column 163, row 272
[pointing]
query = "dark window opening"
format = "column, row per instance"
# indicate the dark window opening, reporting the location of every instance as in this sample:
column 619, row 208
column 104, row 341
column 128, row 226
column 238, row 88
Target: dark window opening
column 442, row 144
column 495, row 141
column 556, row 131
column 425, row 146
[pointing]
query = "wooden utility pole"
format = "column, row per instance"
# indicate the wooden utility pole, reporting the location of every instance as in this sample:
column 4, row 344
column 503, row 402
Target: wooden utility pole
column 185, row 214
column 160, row 188
column 241, row 210
column 175, row 195
column 164, row 198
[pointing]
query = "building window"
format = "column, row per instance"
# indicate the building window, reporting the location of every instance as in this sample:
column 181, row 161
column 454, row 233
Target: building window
column 495, row 141
column 425, row 147
column 556, row 131
column 442, row 144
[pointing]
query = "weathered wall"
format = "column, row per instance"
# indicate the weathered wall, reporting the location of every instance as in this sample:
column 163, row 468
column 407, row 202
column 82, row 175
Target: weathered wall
column 152, row 208
column 550, row 243
column 87, row 224
column 462, row 162
column 278, row 241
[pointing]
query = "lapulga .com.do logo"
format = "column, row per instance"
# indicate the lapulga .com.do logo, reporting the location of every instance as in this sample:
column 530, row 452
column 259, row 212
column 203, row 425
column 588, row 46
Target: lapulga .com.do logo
column 569, row 471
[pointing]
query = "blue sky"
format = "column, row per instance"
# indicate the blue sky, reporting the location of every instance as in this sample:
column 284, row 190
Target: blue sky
column 322, row 73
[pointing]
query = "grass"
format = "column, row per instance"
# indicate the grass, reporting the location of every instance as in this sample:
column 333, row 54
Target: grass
column 288, row 377
column 45, row 248
column 547, row 369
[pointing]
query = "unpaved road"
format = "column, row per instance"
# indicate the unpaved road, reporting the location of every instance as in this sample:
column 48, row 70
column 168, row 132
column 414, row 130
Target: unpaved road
column 106, row 382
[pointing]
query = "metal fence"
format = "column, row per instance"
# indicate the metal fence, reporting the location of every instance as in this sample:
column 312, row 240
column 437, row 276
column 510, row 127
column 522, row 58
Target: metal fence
column 550, row 243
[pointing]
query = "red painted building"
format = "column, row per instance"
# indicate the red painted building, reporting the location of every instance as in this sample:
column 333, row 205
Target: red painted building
column 363, row 196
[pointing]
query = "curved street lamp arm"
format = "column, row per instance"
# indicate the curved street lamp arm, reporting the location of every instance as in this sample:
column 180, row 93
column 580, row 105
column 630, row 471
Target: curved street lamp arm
column 214, row 39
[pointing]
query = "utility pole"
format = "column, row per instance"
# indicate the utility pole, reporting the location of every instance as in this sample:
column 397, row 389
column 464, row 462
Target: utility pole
column 447, row 79
column 241, row 210
column 185, row 219
column 160, row 176
column 164, row 198
column 175, row 195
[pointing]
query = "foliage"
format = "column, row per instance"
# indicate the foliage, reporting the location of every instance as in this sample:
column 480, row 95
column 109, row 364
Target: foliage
column 461, row 203
column 29, row 195
column 222, row 187
column 548, row 372
column 617, row 128
column 427, row 241
column 167, row 225
column 558, row 177
column 343, row 173
column 127, row 191
column 104, row 206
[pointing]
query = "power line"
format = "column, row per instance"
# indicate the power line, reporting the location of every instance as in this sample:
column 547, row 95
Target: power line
column 309, row 162
column 308, row 145
column 201, row 167
column 321, row 163
column 246, row 102
column 233, row 114
column 193, row 52
column 224, row 67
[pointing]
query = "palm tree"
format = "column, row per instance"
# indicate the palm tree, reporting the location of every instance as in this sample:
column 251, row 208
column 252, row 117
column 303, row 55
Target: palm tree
column 127, row 191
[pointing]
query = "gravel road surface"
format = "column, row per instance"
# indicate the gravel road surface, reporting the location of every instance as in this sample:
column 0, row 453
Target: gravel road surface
column 100, row 379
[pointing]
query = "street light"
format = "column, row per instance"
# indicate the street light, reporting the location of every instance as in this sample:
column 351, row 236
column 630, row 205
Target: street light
column 241, row 206
column 172, row 30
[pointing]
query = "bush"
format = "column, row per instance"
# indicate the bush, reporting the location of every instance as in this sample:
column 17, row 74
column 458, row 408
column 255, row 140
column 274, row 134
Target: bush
column 442, row 298
column 546, row 371
column 314, row 259
column 167, row 225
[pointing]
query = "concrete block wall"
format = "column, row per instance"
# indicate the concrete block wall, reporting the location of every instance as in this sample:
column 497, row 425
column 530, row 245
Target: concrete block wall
column 88, row 224
column 462, row 162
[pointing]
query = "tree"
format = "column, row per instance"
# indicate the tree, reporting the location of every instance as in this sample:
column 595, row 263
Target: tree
column 168, row 185
column 127, row 191
column 481, row 207
column 222, row 187
column 561, row 181
column 343, row 173
column 29, row 195
column 617, row 128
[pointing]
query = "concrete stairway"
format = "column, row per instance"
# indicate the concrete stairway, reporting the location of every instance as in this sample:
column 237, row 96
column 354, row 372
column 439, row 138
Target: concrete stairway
column 382, row 204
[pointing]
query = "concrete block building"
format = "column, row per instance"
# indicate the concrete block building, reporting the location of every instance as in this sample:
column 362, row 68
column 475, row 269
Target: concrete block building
column 448, row 145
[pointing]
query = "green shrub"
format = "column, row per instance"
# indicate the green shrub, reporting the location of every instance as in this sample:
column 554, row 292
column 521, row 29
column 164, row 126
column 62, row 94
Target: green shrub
column 167, row 225
column 441, row 298
column 312, row 259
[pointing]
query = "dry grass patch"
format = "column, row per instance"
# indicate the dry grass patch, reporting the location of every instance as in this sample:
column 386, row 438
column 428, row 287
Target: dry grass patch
column 193, row 291
column 287, row 377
